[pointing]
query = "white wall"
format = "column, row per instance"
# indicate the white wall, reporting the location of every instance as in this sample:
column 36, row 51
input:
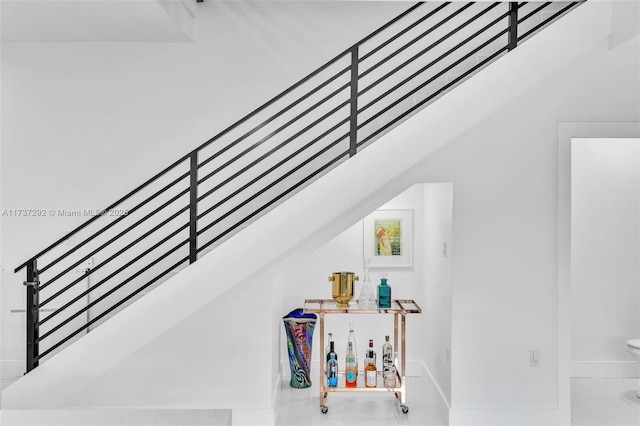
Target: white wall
column 505, row 239
column 308, row 279
column 83, row 123
column 438, row 282
column 428, row 282
column 605, row 255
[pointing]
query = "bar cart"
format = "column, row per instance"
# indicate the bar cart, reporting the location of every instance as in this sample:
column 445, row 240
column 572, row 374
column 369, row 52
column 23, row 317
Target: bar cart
column 399, row 308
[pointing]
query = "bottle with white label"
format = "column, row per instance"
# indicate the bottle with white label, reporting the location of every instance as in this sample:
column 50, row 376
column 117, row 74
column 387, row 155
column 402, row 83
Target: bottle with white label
column 389, row 373
column 332, row 370
column 387, row 353
column 350, row 368
column 370, row 370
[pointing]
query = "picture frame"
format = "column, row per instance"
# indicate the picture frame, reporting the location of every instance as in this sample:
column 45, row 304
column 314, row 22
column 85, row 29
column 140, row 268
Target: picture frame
column 393, row 227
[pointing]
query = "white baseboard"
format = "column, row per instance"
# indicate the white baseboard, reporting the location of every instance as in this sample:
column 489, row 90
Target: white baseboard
column 613, row 369
column 275, row 394
column 442, row 404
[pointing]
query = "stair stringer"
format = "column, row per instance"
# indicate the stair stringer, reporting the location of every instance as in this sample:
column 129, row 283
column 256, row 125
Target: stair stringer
column 79, row 375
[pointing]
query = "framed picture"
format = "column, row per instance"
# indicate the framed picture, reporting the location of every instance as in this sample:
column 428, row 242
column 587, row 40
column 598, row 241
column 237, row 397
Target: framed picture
column 388, row 238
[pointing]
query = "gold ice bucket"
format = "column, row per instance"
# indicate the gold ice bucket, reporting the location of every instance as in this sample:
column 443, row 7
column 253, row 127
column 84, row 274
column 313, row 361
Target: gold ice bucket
column 342, row 288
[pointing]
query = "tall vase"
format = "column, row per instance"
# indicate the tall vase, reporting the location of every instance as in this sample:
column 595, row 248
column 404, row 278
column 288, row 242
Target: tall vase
column 299, row 330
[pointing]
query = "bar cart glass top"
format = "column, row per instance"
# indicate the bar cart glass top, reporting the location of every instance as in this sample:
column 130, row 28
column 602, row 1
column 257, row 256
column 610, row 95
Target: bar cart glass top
column 329, row 306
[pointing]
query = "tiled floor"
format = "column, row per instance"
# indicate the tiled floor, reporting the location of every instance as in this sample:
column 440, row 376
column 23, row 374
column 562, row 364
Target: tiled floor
column 300, row 407
column 604, row 402
column 594, row 402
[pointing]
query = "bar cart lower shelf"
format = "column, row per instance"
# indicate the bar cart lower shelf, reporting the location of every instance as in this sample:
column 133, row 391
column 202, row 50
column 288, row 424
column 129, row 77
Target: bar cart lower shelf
column 399, row 309
column 398, row 391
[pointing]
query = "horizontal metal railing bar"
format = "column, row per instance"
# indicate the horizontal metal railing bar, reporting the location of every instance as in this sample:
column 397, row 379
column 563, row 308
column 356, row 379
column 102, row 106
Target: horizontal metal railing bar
column 428, row 48
column 116, row 272
column 262, row 175
column 308, row 77
column 402, row 32
column 410, row 93
column 415, row 40
column 429, row 65
column 281, row 145
column 115, row 238
column 219, row 135
column 292, row 188
column 113, row 307
column 289, row 173
column 387, row 25
column 545, row 22
column 111, row 291
column 267, row 121
column 275, row 132
column 115, row 255
column 108, row 226
column 90, row 221
column 435, row 94
column 533, row 12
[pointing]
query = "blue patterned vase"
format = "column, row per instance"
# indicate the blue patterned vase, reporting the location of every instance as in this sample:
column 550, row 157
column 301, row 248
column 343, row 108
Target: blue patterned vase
column 299, row 328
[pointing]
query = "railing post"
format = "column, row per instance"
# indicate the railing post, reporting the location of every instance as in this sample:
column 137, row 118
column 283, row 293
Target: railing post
column 33, row 314
column 513, row 25
column 353, row 131
column 193, row 208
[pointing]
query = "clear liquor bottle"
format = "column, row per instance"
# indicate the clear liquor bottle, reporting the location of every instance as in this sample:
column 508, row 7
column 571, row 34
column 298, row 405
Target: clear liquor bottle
column 389, row 373
column 351, row 367
column 389, row 376
column 387, row 352
column 352, row 339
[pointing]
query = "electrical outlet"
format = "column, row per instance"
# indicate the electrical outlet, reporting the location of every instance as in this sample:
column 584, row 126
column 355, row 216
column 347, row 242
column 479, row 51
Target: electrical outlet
column 534, row 358
column 448, row 355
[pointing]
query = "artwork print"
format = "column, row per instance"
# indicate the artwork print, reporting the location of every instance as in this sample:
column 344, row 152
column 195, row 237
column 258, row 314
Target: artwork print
column 388, row 239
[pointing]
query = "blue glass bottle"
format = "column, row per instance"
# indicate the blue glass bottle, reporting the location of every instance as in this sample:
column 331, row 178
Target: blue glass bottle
column 332, row 370
column 384, row 294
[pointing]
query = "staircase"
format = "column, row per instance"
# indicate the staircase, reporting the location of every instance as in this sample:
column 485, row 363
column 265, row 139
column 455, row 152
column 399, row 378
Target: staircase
column 211, row 193
column 287, row 144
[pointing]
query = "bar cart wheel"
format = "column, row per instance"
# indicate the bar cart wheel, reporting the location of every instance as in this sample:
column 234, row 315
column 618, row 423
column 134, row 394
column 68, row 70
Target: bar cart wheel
column 324, row 409
column 405, row 409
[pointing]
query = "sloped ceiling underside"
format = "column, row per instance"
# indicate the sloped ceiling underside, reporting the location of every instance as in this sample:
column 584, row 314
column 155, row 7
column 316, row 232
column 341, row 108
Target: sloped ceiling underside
column 97, row 21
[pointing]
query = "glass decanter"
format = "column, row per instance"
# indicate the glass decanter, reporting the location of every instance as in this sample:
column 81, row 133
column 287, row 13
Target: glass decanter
column 367, row 298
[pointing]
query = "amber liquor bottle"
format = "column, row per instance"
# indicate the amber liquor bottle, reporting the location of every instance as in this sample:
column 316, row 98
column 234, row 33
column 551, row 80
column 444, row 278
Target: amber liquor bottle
column 370, row 370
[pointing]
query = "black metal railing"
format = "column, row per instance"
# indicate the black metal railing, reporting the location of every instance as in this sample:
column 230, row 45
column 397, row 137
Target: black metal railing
column 223, row 185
